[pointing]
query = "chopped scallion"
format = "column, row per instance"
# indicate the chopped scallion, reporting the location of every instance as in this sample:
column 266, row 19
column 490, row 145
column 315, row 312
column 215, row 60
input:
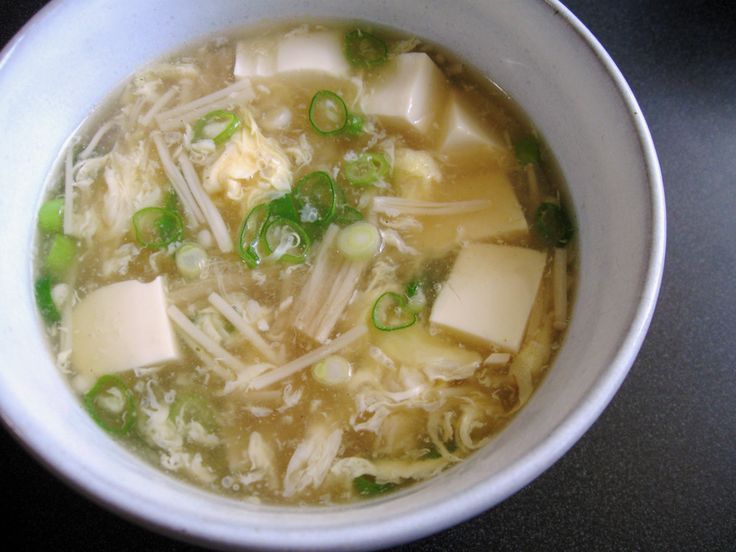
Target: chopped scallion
column 363, row 49
column 61, row 255
column 284, row 207
column 190, row 260
column 192, row 407
column 354, row 126
column 417, row 298
column 527, row 150
column 45, row 301
column 112, row 405
column 249, row 235
column 367, row 486
column 390, row 312
column 172, row 201
column 432, row 454
column 334, row 370
column 316, row 199
column 51, row 216
column 359, row 242
column 328, row 113
column 218, row 126
column 367, row 169
column 553, row 224
column 156, row 227
column 285, row 240
column 347, row 215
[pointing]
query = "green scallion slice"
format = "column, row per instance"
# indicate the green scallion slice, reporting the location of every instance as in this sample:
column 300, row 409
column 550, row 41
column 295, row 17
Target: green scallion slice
column 51, row 216
column 285, row 238
column 527, row 150
column 354, row 126
column 316, row 198
column 249, row 235
column 347, row 215
column 192, row 407
column 328, row 113
column 218, row 126
column 359, row 242
column 112, row 405
column 367, row 169
column 172, row 201
column 61, row 255
column 284, row 207
column 390, row 312
column 553, row 224
column 45, row 302
column 156, row 227
column 417, row 299
column 363, row 49
column 190, row 260
column 367, row 486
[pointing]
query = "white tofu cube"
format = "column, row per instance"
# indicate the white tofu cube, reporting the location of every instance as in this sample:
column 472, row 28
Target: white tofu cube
column 122, row 326
column 408, row 94
column 489, row 294
column 319, row 52
column 502, row 219
column 464, row 134
column 255, row 58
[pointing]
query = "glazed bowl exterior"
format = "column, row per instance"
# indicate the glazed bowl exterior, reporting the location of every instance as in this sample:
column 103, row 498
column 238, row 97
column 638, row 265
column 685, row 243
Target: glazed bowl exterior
column 73, row 53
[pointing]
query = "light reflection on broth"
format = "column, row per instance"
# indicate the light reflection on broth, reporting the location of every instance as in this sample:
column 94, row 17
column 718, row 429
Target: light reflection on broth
column 305, row 297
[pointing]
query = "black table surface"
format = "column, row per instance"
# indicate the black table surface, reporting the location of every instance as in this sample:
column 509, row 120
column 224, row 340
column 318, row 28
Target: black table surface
column 657, row 471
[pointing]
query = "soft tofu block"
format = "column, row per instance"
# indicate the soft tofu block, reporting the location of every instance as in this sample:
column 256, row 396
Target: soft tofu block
column 122, row 326
column 502, row 219
column 255, row 58
column 319, row 52
column 408, row 94
column 464, row 134
column 489, row 294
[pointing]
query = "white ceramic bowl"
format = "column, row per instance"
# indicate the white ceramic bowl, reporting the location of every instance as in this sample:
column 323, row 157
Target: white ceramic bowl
column 73, row 53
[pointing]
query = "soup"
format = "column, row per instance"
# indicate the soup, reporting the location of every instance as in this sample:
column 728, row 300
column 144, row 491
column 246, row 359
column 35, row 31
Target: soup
column 305, row 264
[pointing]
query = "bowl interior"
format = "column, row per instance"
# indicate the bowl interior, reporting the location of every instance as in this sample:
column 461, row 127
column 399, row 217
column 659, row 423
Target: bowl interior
column 74, row 53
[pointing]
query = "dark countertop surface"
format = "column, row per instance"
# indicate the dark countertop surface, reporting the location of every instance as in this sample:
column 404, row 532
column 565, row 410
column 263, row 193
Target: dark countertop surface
column 657, row 471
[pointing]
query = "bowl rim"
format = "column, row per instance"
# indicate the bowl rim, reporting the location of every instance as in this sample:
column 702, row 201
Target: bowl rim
column 558, row 442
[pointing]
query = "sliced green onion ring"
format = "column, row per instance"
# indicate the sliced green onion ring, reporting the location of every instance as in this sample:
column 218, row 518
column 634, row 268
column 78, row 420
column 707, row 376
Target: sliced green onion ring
column 553, row 224
column 390, row 312
column 366, row 486
column 417, row 300
column 328, row 113
column 190, row 260
column 316, row 198
column 249, row 235
column 284, row 207
column 51, row 216
column 527, row 150
column 359, row 242
column 112, row 405
column 355, row 123
column 363, row 49
column 346, row 215
column 192, row 407
column 367, row 169
column 272, row 236
column 156, row 227
column 224, row 122
column 45, row 302
column 61, row 255
column 333, row 370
